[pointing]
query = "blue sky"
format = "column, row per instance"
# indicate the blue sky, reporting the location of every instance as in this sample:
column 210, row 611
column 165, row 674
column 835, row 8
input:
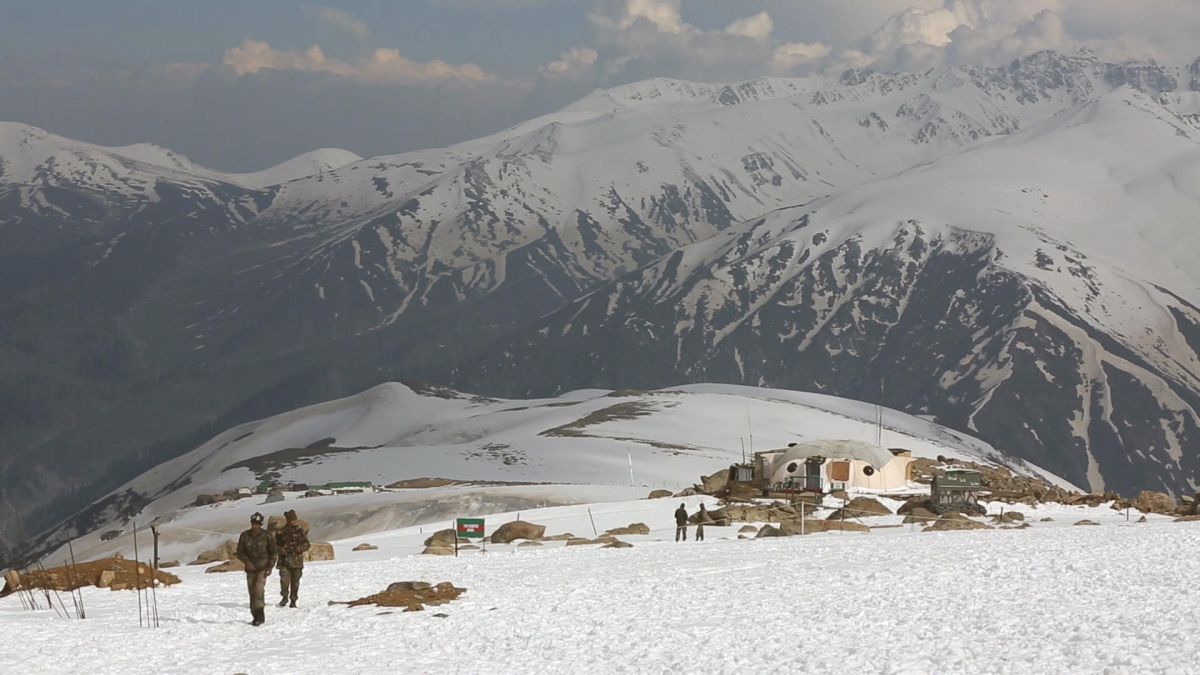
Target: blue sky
column 166, row 30
column 244, row 84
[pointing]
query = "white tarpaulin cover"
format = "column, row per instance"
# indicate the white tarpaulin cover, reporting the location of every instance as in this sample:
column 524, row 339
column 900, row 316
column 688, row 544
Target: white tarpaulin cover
column 834, row 449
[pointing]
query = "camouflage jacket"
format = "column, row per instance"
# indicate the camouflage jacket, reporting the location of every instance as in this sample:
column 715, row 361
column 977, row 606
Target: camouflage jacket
column 292, row 542
column 258, row 550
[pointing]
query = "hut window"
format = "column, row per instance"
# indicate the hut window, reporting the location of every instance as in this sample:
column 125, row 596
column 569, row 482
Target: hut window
column 839, row 471
column 792, row 467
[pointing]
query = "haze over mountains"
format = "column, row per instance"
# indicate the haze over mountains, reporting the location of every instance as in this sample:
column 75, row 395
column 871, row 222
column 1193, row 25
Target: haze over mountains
column 1010, row 251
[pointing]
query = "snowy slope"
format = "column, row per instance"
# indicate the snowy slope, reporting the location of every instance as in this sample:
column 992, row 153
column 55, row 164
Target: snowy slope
column 33, row 156
column 56, row 192
column 1053, row 269
column 1050, row 600
column 585, row 438
column 312, row 163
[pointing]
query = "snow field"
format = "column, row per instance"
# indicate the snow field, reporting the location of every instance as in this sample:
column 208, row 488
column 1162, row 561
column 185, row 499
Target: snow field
column 1112, row 599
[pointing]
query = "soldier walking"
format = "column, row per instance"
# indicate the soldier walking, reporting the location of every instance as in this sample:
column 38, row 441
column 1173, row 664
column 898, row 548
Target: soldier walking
column 700, row 518
column 257, row 551
column 292, row 542
column 681, row 518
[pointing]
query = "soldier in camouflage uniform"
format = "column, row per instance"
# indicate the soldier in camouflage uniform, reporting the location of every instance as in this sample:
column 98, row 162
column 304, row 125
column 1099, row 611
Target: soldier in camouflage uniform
column 257, row 551
column 292, row 542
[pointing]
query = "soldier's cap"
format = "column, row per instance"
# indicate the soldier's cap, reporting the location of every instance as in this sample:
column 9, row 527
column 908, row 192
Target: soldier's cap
column 256, row 519
column 290, row 515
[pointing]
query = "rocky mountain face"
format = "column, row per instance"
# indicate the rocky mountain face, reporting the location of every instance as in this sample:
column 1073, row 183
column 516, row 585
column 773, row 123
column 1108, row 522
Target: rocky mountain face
column 147, row 303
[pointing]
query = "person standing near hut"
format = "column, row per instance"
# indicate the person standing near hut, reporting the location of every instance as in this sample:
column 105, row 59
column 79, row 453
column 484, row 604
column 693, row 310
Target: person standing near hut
column 257, row 551
column 292, row 541
column 700, row 518
column 681, row 517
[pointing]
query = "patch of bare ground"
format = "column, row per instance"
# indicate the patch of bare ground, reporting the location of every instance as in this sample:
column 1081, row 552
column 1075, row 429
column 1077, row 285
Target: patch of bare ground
column 620, row 412
column 420, row 483
column 270, row 464
column 413, row 596
column 437, row 391
column 555, row 404
column 502, row 453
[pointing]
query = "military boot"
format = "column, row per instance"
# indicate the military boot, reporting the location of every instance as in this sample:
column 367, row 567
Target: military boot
column 259, row 617
column 293, row 605
column 284, row 602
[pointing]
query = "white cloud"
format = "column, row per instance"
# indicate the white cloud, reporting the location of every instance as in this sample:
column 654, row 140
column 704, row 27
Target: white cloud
column 1002, row 42
column 758, row 27
column 577, row 63
column 385, row 66
column 342, row 19
column 634, row 39
column 790, row 56
column 983, row 33
column 662, row 13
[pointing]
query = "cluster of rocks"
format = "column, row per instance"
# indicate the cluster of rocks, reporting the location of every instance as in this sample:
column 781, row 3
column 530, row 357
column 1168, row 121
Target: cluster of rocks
column 716, row 484
column 226, row 496
column 116, row 574
column 526, row 533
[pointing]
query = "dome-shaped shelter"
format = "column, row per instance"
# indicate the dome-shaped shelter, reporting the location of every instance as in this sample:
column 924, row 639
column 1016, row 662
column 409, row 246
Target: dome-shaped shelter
column 830, row 464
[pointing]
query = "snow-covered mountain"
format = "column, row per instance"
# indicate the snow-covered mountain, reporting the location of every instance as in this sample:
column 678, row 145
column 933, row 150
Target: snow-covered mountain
column 57, row 194
column 1040, row 289
column 146, row 303
column 396, row 432
column 610, row 183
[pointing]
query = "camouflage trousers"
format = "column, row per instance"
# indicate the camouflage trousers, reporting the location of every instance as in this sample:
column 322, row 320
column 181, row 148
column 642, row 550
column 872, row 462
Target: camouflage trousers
column 289, row 582
column 256, row 583
column 681, row 532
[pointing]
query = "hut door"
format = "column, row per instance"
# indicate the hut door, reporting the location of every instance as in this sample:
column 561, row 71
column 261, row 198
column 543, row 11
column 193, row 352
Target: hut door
column 839, row 471
column 812, row 474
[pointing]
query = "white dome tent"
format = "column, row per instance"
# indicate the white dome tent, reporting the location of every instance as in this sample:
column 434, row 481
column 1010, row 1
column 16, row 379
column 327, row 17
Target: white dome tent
column 831, row 464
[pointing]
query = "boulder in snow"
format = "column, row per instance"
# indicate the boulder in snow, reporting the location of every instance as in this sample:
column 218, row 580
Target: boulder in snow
column 517, row 529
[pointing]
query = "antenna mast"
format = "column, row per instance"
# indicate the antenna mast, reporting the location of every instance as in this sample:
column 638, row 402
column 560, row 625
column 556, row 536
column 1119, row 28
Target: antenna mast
column 751, row 428
column 879, row 416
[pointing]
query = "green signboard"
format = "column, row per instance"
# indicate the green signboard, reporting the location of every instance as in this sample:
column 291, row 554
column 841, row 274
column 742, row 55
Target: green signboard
column 959, row 481
column 469, row 528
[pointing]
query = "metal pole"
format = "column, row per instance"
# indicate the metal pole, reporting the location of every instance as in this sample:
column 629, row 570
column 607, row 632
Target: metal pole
column 74, row 589
column 595, row 532
column 750, row 428
column 82, row 612
column 137, row 574
column 801, row 518
column 154, row 531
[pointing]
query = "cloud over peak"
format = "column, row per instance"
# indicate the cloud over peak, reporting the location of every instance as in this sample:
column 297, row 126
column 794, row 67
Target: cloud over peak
column 633, row 39
column 379, row 66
